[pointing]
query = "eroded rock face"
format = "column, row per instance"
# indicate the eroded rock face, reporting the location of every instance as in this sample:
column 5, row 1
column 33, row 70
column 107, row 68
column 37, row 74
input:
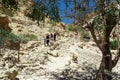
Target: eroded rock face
column 4, row 23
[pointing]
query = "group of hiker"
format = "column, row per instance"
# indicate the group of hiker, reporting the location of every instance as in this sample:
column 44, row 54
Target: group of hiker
column 48, row 37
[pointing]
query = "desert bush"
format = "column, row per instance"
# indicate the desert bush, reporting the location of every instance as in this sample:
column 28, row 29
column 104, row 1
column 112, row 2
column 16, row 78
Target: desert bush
column 28, row 37
column 14, row 38
column 6, row 35
column 24, row 1
column 85, row 36
column 3, row 35
column 114, row 44
column 50, row 29
column 71, row 28
column 23, row 38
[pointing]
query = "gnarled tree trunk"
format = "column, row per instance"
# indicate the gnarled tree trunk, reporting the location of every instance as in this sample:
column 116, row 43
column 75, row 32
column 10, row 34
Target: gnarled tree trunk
column 105, row 66
column 104, row 72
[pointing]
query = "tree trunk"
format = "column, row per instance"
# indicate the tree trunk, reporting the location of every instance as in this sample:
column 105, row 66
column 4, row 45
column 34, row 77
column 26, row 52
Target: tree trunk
column 106, row 64
column 104, row 70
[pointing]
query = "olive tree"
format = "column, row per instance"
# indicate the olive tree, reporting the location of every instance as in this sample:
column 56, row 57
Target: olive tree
column 107, row 16
column 106, row 20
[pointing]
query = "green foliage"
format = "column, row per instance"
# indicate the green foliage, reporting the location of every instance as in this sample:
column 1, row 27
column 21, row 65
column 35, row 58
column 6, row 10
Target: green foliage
column 4, row 32
column 50, row 29
column 71, row 28
column 14, row 38
column 28, row 37
column 5, row 35
column 75, row 28
column 110, row 13
column 114, row 44
column 44, row 8
column 98, row 23
column 24, row 38
column 85, row 36
column 99, row 27
column 111, row 16
column 13, row 4
column 9, row 7
column 24, row 1
column 37, row 11
column 2, row 39
column 53, row 23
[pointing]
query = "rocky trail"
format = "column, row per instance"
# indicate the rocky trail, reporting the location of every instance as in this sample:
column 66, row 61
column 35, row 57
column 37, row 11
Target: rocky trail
column 38, row 62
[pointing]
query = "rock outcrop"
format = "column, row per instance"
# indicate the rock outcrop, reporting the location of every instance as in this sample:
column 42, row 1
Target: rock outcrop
column 4, row 23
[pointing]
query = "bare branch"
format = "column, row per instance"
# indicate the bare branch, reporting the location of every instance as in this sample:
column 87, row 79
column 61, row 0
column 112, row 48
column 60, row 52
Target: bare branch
column 90, row 26
column 118, row 1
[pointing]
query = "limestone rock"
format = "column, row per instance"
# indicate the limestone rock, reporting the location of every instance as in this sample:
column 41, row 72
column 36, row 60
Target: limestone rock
column 32, row 44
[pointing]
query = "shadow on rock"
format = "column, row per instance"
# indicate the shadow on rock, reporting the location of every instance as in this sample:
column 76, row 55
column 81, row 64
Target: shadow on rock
column 88, row 73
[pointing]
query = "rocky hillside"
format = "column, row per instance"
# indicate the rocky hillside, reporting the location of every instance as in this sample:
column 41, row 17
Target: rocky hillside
column 67, row 58
column 37, row 62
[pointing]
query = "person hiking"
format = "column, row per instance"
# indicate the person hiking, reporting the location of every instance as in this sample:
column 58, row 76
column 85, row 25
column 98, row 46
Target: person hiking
column 47, row 40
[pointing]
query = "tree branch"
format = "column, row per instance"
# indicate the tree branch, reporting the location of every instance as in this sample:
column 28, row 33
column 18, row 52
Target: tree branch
column 114, row 62
column 90, row 26
column 118, row 1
